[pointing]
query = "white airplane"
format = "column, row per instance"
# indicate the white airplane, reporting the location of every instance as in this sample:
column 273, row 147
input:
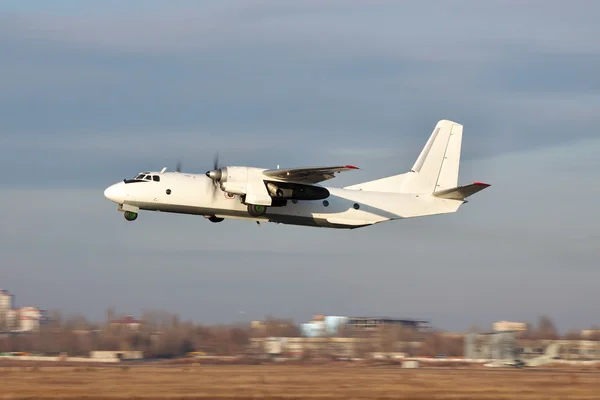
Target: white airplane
column 294, row 195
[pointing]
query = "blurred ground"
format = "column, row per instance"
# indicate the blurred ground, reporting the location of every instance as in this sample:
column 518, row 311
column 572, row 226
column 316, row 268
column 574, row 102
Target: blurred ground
column 327, row 381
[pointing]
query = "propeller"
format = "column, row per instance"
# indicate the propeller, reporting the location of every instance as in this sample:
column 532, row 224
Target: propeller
column 215, row 174
column 216, row 161
column 178, row 168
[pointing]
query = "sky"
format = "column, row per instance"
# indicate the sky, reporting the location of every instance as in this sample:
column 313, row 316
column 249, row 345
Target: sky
column 93, row 92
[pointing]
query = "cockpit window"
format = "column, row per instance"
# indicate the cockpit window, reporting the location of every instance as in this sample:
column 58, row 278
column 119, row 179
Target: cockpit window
column 146, row 176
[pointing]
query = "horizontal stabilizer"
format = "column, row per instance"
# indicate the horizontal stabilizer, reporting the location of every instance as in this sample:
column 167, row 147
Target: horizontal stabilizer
column 461, row 192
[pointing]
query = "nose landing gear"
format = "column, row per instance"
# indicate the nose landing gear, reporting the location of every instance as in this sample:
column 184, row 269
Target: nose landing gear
column 130, row 215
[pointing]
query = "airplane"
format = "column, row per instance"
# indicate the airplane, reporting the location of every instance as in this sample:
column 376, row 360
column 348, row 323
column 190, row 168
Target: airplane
column 295, row 196
column 548, row 357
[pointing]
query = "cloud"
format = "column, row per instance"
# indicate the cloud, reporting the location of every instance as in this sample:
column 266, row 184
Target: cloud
column 382, row 25
column 316, row 70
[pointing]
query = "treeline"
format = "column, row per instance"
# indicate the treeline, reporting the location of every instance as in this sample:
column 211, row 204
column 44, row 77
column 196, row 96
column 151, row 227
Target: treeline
column 161, row 335
column 164, row 335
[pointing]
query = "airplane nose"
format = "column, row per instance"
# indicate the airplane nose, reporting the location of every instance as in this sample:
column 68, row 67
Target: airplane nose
column 115, row 193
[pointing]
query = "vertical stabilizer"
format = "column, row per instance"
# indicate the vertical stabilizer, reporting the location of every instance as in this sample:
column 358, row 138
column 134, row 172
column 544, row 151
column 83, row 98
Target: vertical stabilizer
column 438, row 164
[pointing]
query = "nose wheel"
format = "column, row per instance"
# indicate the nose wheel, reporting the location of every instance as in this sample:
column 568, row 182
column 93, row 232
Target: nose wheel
column 130, row 215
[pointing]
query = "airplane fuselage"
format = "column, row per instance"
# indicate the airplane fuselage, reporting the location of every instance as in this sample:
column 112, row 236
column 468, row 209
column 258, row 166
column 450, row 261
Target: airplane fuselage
column 195, row 194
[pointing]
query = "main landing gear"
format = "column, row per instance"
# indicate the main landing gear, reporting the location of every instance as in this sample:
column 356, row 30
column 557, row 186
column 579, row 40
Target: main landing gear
column 215, row 219
column 130, row 215
column 256, row 210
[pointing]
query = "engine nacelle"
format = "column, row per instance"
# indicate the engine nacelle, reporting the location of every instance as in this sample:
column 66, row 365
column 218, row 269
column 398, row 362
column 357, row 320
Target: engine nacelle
column 234, row 180
column 247, row 182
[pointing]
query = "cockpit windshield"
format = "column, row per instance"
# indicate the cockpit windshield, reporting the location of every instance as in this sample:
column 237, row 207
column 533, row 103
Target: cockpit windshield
column 144, row 176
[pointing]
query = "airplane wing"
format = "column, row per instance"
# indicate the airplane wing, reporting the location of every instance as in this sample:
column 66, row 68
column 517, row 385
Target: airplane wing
column 308, row 174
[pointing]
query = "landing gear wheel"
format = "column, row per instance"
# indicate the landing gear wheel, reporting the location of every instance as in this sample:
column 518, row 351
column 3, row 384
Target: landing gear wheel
column 215, row 219
column 130, row 215
column 256, row 210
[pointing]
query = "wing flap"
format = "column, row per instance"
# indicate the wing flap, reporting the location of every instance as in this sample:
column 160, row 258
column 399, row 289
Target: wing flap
column 307, row 174
column 461, row 192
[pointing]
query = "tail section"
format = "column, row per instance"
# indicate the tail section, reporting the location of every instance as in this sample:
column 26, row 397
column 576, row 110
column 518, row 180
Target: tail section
column 435, row 170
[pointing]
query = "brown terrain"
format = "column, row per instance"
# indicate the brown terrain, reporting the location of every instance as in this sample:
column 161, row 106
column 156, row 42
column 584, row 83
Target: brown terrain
column 273, row 381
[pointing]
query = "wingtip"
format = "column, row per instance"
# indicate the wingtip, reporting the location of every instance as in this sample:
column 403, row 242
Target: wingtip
column 481, row 184
column 350, row 167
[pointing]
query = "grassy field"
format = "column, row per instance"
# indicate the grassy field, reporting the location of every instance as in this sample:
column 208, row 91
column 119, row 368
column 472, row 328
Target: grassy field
column 342, row 381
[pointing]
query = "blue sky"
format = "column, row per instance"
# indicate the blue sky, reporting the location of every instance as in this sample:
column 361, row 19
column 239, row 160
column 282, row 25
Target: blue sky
column 90, row 94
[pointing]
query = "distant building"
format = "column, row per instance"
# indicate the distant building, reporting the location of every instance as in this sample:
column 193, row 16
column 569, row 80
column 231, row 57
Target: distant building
column 508, row 326
column 374, row 323
column 6, row 305
column 127, row 322
column 12, row 320
column 24, row 319
column 312, row 329
column 29, row 319
column 322, row 325
column 6, row 300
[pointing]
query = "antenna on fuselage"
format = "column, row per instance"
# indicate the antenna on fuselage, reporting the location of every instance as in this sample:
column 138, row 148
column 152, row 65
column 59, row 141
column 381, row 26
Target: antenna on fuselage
column 163, row 170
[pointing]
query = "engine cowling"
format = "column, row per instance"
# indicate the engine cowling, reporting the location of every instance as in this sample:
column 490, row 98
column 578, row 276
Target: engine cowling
column 245, row 181
column 234, row 180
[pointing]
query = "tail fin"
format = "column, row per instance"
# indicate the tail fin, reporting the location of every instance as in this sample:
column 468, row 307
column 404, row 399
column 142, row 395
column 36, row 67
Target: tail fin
column 436, row 168
column 438, row 164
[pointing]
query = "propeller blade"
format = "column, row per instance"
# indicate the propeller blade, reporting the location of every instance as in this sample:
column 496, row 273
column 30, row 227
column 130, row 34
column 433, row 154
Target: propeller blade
column 216, row 161
column 215, row 174
column 178, row 168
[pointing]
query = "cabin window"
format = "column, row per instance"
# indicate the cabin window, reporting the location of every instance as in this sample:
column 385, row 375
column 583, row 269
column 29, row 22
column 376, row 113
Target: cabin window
column 156, row 178
column 325, row 203
column 168, row 191
column 356, row 206
column 148, row 177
